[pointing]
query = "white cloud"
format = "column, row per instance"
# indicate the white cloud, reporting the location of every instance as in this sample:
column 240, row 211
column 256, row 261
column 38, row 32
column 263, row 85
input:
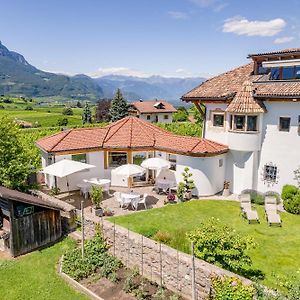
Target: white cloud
column 284, row 39
column 178, row 15
column 216, row 5
column 118, row 71
column 242, row 26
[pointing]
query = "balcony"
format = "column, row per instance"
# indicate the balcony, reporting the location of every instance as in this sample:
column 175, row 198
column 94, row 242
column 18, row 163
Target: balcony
column 244, row 141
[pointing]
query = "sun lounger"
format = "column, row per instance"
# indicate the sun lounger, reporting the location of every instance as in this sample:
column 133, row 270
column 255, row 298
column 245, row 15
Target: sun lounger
column 245, row 206
column 245, row 198
column 251, row 215
column 273, row 218
column 270, row 200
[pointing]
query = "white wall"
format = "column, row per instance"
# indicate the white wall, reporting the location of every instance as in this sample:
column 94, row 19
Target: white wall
column 278, row 147
column 160, row 117
column 93, row 158
column 207, row 175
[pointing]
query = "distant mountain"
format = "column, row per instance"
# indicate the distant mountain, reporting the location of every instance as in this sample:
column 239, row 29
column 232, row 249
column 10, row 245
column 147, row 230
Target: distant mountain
column 18, row 77
column 159, row 87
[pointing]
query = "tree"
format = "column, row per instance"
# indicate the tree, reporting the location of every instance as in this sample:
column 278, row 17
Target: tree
column 67, row 111
column 119, row 107
column 102, row 110
column 86, row 114
column 78, row 104
column 197, row 115
column 14, row 157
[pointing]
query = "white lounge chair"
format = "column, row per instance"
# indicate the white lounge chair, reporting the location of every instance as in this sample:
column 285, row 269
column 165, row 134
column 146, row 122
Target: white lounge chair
column 273, row 218
column 252, row 215
column 272, row 215
column 246, row 208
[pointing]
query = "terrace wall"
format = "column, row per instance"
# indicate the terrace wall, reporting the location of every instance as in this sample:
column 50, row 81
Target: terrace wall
column 161, row 263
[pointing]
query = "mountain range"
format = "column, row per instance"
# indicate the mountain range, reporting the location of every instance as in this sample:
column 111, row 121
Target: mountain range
column 20, row 78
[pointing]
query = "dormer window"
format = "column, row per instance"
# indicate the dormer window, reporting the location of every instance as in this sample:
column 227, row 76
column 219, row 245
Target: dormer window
column 283, row 69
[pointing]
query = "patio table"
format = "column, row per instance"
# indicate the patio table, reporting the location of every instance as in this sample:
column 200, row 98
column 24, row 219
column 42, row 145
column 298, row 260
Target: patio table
column 130, row 198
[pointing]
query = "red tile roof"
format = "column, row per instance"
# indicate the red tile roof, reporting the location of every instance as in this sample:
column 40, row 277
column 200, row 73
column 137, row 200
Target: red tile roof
column 222, row 87
column 279, row 52
column 244, row 102
column 129, row 133
column 277, row 89
column 148, row 106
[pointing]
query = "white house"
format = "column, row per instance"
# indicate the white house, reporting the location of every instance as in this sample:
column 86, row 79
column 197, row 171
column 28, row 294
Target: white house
column 255, row 111
column 154, row 111
column 131, row 140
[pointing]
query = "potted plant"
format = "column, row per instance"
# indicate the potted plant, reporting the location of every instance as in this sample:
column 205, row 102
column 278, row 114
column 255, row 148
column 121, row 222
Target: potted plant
column 184, row 190
column 226, row 191
column 170, row 198
column 97, row 198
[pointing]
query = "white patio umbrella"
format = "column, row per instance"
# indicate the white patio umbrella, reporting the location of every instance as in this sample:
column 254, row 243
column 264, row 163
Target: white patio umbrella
column 156, row 163
column 66, row 167
column 129, row 170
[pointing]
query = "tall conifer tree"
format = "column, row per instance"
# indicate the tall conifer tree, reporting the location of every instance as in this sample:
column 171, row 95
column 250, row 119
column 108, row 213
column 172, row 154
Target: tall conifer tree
column 118, row 107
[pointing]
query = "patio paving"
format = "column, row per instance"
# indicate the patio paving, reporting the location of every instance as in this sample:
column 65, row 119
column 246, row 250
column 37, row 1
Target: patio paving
column 153, row 200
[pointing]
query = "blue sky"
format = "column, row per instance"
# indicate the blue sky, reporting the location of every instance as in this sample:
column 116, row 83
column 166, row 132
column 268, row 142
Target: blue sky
column 144, row 37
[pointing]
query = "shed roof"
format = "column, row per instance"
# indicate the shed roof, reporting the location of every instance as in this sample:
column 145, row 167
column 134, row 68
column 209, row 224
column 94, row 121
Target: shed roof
column 129, row 133
column 14, row 195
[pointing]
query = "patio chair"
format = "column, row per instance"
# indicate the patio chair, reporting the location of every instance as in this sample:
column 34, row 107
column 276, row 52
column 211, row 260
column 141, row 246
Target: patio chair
column 273, row 218
column 118, row 198
column 142, row 201
column 251, row 215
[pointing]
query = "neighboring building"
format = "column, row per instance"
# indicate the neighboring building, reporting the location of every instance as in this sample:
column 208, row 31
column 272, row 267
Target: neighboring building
column 27, row 222
column 156, row 111
column 131, row 140
column 255, row 110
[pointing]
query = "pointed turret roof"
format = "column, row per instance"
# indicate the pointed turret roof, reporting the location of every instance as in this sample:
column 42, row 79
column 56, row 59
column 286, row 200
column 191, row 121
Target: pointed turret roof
column 244, row 102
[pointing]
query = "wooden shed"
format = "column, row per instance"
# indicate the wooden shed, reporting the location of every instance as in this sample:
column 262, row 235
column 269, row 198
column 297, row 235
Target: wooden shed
column 27, row 222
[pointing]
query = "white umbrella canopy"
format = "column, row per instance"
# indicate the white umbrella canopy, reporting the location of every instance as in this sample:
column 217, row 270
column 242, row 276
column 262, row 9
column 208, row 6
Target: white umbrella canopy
column 156, row 163
column 129, row 170
column 66, row 167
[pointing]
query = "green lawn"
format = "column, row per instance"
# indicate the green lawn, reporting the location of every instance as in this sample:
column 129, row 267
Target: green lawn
column 34, row 276
column 277, row 250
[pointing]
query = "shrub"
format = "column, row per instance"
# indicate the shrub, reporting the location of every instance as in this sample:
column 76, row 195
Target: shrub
column 231, row 288
column 62, row 122
column 180, row 116
column 67, row 111
column 96, row 257
column 292, row 205
column 97, row 196
column 28, row 107
column 256, row 197
column 163, row 237
column 288, row 192
column 221, row 245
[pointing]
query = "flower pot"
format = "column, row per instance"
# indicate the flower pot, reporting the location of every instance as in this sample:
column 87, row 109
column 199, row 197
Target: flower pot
column 98, row 211
column 226, row 193
column 188, row 195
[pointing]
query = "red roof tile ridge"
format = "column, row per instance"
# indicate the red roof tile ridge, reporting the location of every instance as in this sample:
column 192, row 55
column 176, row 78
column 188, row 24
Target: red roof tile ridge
column 217, row 76
column 119, row 123
column 151, row 134
column 56, row 144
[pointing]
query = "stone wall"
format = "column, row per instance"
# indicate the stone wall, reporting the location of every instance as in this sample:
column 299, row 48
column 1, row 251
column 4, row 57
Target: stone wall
column 161, row 263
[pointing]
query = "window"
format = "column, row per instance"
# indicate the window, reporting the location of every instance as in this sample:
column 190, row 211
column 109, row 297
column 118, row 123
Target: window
column 275, row 72
column 287, row 73
column 166, row 117
column 148, row 117
column 270, row 173
column 218, row 120
column 139, row 157
column 239, row 123
column 297, row 73
column 262, row 70
column 243, row 123
column 80, row 157
column 221, row 163
column 116, row 159
column 284, row 124
column 172, row 159
column 251, row 123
